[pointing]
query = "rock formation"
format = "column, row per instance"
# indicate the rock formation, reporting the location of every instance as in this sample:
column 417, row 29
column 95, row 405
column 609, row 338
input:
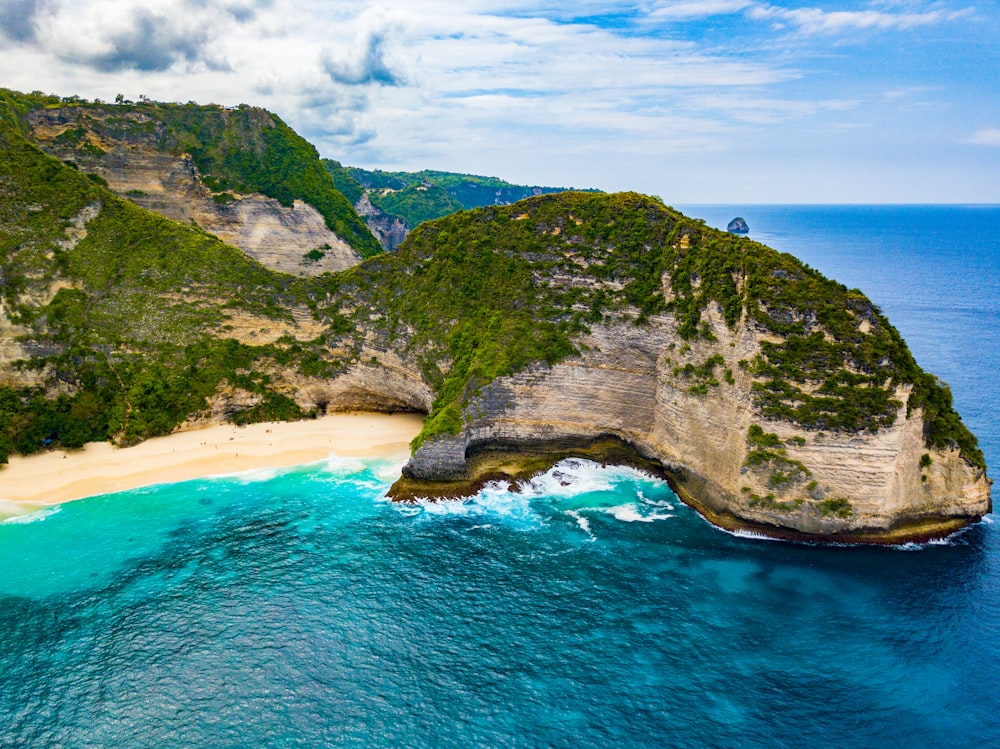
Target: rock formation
column 135, row 162
column 738, row 226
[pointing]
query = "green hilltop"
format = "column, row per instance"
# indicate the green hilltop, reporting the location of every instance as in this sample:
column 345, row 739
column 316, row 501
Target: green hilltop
column 421, row 196
column 493, row 290
column 243, row 149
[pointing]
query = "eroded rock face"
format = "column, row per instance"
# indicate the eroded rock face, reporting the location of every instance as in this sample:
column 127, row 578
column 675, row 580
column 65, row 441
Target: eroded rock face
column 625, row 384
column 292, row 239
column 389, row 230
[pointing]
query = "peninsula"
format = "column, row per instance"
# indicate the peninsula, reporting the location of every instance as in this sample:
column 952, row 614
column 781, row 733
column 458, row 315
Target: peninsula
column 609, row 326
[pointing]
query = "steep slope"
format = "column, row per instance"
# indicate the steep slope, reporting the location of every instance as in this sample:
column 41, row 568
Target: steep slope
column 241, row 174
column 773, row 397
column 393, row 203
column 117, row 323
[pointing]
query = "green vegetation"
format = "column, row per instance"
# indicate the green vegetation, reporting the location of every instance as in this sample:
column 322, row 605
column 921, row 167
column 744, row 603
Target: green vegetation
column 316, row 254
column 767, row 452
column 469, row 190
column 839, row 507
column 702, row 376
column 757, row 437
column 241, row 150
column 124, row 313
column 475, row 293
column 121, row 354
column 770, row 502
column 838, row 361
column 416, row 204
column 348, row 186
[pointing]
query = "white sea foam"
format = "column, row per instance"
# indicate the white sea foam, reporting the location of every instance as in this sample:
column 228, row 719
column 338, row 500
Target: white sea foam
column 340, row 466
column 492, row 502
column 254, row 475
column 32, row 517
column 567, row 479
column 630, row 513
column 583, row 522
column 952, row 540
column 654, row 502
column 387, row 471
column 574, row 476
column 743, row 533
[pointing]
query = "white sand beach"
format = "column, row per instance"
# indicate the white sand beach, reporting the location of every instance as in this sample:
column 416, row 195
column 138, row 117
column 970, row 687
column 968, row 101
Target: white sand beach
column 99, row 468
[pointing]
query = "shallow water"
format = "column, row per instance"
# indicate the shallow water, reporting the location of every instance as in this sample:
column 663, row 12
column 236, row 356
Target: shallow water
column 298, row 608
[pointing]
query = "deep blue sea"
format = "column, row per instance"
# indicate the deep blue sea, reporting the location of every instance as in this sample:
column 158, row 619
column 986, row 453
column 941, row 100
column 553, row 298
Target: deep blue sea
column 298, row 608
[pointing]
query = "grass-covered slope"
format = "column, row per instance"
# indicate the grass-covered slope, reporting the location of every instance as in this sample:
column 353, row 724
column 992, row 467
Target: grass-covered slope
column 244, row 149
column 416, row 204
column 115, row 311
column 484, row 293
column 469, row 190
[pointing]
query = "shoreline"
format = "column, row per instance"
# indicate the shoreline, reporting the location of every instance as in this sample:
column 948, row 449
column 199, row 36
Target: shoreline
column 51, row 478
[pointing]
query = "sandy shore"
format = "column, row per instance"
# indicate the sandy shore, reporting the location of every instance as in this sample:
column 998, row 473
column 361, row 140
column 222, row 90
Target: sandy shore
column 99, row 468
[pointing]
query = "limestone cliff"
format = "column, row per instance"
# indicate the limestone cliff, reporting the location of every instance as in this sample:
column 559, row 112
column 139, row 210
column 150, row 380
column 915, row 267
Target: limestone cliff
column 840, row 486
column 140, row 156
column 390, row 230
column 772, row 398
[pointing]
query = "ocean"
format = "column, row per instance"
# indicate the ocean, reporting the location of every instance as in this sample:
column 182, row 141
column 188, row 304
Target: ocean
column 299, row 608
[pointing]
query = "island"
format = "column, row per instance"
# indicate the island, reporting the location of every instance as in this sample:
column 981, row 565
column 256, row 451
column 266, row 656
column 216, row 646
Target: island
column 567, row 324
column 738, row 226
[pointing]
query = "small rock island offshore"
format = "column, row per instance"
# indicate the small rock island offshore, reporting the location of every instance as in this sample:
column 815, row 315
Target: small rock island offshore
column 605, row 326
column 738, row 226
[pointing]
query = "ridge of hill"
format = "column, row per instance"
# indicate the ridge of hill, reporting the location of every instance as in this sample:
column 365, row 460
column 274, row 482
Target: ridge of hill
column 240, row 173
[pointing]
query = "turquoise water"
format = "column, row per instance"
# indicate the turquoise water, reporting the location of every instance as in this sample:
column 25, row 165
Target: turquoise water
column 298, row 608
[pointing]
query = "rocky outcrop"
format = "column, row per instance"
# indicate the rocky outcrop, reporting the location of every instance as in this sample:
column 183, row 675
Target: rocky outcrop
column 389, row 230
column 833, row 486
column 291, row 239
column 738, row 226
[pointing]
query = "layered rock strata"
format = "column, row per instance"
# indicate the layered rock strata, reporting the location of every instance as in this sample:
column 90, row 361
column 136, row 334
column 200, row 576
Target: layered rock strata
column 621, row 391
column 290, row 239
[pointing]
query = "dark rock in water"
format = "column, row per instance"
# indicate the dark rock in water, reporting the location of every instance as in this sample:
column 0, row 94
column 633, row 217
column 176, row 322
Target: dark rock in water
column 738, row 226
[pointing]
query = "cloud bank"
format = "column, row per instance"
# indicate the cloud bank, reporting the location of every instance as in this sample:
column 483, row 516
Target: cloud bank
column 664, row 96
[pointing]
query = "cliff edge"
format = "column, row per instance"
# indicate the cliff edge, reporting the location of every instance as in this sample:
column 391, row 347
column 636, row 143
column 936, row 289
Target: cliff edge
column 771, row 397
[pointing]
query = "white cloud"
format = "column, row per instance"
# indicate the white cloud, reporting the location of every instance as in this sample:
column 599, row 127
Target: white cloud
column 688, row 9
column 593, row 93
column 819, row 21
column 987, row 136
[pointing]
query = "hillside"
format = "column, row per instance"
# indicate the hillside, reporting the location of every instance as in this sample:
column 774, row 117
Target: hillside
column 571, row 323
column 770, row 394
column 117, row 323
column 241, row 174
column 470, row 190
column 394, row 203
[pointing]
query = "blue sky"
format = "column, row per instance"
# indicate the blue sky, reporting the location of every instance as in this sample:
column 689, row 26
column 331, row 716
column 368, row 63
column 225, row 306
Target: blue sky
column 719, row 101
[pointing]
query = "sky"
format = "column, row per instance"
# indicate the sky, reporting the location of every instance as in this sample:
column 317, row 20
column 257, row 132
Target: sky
column 711, row 101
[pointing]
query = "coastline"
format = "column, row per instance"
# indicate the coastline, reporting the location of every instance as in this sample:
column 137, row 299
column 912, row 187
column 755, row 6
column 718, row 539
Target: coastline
column 59, row 476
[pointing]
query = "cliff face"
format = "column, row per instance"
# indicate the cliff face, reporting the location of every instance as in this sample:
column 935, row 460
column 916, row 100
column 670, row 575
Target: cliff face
column 773, row 399
column 390, row 230
column 839, row 486
column 133, row 152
